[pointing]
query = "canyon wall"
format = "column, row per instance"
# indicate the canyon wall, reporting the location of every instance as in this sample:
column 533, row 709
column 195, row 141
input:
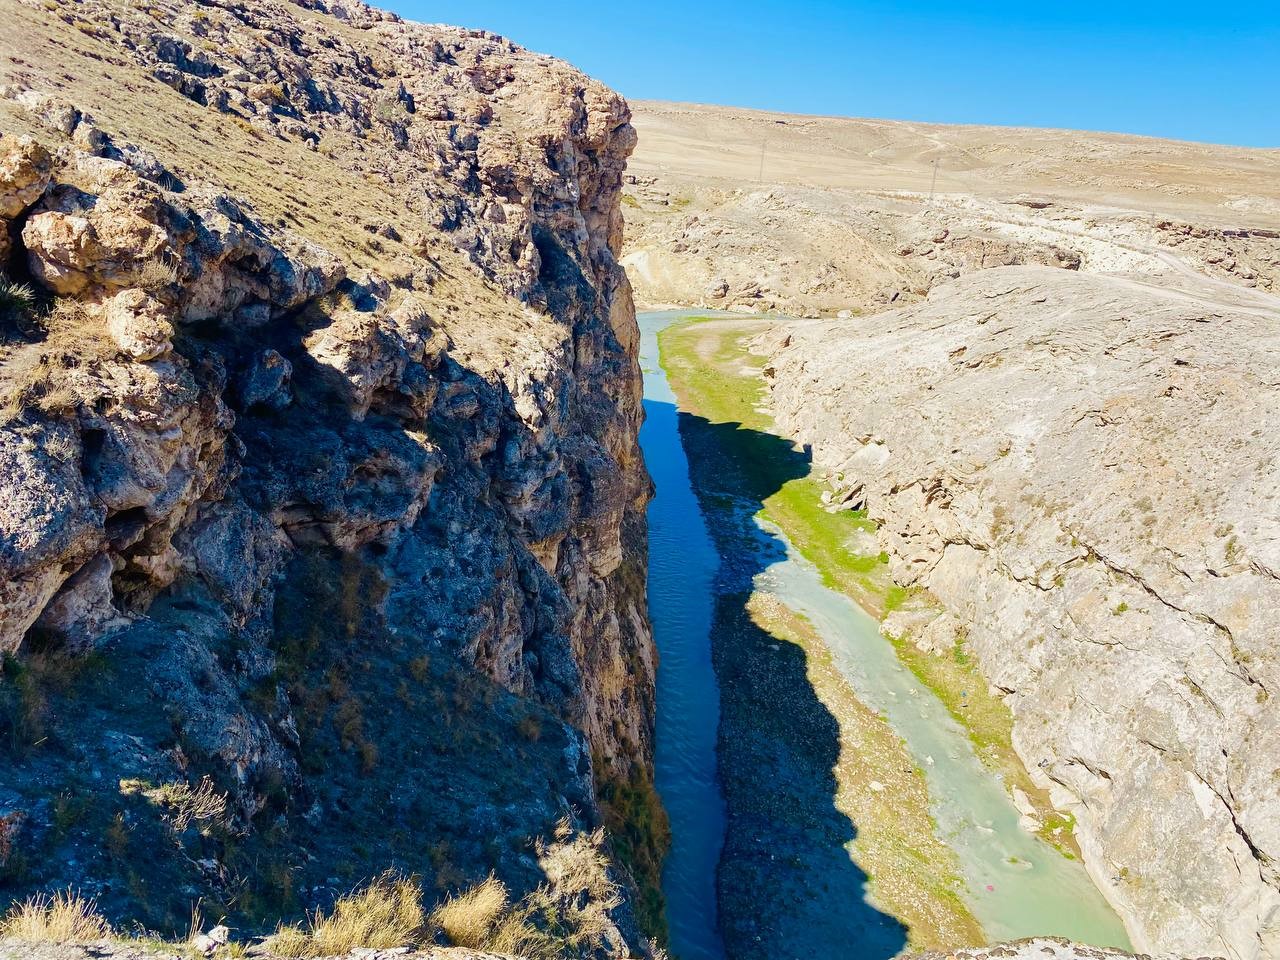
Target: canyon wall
column 1077, row 474
column 322, row 543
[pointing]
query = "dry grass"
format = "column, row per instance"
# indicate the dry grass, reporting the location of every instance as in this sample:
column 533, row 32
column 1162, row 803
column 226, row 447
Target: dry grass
column 483, row 918
column 578, row 874
column 469, row 918
column 61, row 918
column 568, row 912
column 182, row 803
column 385, row 914
column 39, row 375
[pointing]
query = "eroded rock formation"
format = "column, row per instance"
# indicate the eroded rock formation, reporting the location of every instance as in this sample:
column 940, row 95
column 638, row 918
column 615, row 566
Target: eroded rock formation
column 321, row 493
column 1080, row 471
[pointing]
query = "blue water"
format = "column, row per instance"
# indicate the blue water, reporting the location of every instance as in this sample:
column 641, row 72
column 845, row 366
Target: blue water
column 1016, row 885
column 682, row 569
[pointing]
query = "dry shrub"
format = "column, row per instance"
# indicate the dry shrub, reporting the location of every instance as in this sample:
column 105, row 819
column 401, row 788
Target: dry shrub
column 157, row 274
column 16, row 300
column 182, row 803
column 61, row 918
column 578, row 874
column 516, row 936
column 470, row 917
column 385, row 914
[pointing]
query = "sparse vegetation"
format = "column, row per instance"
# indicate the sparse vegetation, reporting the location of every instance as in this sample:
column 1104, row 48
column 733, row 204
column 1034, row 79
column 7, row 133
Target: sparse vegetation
column 16, row 300
column 387, row 913
column 38, row 374
column 182, row 803
column 469, row 918
column 64, row 917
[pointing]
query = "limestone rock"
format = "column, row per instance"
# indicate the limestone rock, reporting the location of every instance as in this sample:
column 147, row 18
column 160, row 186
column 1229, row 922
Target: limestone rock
column 353, row 525
column 1078, row 469
column 139, row 324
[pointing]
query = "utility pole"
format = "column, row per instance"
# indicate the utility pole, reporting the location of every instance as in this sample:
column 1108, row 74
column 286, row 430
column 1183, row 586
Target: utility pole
column 760, row 175
column 934, row 182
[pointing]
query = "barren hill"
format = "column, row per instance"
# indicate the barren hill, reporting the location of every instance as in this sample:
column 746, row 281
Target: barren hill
column 817, row 214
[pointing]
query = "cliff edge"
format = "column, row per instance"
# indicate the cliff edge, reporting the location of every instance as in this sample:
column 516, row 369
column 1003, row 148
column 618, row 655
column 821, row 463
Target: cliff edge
column 322, row 524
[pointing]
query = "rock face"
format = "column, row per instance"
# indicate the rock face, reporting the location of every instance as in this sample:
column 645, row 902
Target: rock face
column 320, row 484
column 1080, row 471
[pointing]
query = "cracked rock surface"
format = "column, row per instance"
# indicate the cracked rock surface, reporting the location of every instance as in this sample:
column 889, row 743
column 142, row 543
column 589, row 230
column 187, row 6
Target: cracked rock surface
column 1081, row 470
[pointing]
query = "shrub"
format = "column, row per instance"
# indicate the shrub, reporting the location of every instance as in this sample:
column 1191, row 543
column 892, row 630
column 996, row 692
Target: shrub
column 61, row 918
column 16, row 299
column 182, row 803
column 578, row 875
column 385, row 914
column 470, row 917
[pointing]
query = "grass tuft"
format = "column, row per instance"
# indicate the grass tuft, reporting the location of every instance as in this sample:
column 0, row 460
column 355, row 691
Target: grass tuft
column 470, row 918
column 64, row 917
column 385, row 914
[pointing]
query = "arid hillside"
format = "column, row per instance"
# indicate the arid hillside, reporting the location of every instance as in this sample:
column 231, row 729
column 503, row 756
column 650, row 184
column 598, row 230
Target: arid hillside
column 814, row 215
column 1050, row 377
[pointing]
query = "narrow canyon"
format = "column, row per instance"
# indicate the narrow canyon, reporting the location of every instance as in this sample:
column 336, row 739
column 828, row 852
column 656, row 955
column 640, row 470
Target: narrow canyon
column 376, row 581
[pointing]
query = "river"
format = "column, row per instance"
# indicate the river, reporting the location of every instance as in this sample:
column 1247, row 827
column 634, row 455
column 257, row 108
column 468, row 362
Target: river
column 1016, row 884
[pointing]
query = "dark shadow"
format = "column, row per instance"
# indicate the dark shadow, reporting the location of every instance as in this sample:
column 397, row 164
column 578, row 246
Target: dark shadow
column 787, row 886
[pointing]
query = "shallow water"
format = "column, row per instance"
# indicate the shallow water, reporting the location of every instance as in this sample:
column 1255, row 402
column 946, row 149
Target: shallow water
column 1016, row 884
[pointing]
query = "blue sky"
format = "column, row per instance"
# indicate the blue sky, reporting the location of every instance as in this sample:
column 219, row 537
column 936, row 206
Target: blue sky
column 1197, row 71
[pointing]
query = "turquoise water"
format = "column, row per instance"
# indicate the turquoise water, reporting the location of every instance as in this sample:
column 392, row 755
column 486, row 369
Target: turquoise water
column 1016, row 884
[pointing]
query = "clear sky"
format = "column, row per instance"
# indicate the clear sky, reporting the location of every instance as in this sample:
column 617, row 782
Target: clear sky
column 1191, row 70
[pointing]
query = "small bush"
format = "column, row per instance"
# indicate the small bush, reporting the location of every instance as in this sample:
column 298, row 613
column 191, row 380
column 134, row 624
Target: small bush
column 182, row 803
column 158, row 274
column 469, row 918
column 62, row 918
column 385, row 914
column 16, row 299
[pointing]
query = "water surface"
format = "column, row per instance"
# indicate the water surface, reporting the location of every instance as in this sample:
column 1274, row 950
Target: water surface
column 682, row 569
column 1016, row 884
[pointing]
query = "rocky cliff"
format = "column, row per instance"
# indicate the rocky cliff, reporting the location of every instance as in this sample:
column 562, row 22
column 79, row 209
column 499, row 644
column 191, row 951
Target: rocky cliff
column 1076, row 475
column 321, row 537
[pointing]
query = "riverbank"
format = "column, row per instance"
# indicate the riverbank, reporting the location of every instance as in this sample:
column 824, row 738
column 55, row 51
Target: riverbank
column 836, row 844
column 740, row 469
column 713, row 370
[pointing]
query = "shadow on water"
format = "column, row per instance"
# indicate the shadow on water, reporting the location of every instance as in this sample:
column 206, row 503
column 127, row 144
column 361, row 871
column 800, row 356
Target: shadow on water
column 787, row 885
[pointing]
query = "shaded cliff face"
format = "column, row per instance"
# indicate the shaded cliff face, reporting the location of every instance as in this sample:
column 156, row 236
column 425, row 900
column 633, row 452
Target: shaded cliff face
column 1077, row 471
column 318, row 460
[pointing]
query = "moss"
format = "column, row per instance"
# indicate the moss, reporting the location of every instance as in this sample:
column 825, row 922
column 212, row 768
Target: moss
column 711, row 371
column 640, row 835
column 713, row 374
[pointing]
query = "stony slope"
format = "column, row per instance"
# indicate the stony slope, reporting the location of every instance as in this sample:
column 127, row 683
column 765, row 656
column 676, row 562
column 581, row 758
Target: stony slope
column 818, row 215
column 1079, row 472
column 322, row 499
